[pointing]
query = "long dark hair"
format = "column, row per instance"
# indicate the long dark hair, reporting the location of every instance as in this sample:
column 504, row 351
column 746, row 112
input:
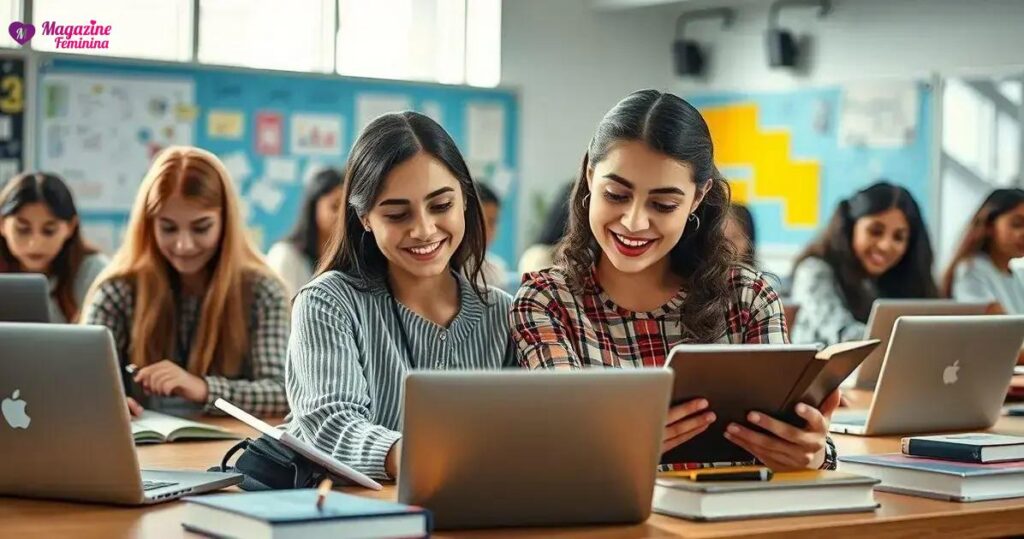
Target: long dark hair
column 977, row 238
column 911, row 277
column 741, row 214
column 306, row 234
column 51, row 191
column 556, row 220
column 387, row 142
column 703, row 257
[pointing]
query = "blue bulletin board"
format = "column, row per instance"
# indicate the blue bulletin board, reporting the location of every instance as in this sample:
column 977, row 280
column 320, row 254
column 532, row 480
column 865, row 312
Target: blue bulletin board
column 100, row 122
column 790, row 158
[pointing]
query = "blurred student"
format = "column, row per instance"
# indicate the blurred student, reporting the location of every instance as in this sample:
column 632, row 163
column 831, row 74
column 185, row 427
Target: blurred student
column 189, row 301
column 495, row 271
column 398, row 290
column 40, row 233
column 981, row 270
column 875, row 246
column 295, row 257
column 541, row 254
column 739, row 229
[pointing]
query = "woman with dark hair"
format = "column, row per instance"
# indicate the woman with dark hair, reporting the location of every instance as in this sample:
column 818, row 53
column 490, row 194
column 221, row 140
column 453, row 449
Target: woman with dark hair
column 398, row 289
column 40, row 233
column 875, row 246
column 980, row 270
column 295, row 257
column 645, row 266
column 740, row 231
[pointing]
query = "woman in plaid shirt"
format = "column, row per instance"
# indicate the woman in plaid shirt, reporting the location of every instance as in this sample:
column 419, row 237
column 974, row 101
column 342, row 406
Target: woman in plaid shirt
column 645, row 266
column 189, row 301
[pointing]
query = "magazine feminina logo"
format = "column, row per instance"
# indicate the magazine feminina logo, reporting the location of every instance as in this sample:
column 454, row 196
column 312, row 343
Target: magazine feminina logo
column 78, row 36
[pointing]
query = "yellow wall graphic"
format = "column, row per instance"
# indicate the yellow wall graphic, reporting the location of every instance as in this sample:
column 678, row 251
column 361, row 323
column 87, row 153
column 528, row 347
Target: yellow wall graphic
column 774, row 175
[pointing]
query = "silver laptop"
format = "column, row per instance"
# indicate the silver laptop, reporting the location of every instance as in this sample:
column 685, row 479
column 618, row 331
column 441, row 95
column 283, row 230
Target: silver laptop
column 26, row 297
column 940, row 373
column 885, row 312
column 64, row 428
column 516, row 448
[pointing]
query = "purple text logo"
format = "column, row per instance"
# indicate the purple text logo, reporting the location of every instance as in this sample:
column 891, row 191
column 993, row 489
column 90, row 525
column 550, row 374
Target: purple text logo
column 78, row 36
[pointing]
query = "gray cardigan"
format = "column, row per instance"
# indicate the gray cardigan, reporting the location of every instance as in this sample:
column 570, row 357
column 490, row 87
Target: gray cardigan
column 347, row 360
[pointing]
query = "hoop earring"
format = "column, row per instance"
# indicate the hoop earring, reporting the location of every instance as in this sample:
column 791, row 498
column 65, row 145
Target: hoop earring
column 693, row 218
column 586, row 200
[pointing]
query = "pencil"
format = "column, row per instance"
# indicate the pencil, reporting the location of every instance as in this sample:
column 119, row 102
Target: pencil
column 322, row 491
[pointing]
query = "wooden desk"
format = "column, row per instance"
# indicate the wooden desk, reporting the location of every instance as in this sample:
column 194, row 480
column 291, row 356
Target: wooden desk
column 899, row 516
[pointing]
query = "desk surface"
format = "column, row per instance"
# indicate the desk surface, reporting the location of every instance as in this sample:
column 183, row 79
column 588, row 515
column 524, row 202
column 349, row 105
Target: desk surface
column 897, row 516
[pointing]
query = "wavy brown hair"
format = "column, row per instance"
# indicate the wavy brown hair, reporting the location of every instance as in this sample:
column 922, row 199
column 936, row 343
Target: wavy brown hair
column 52, row 192
column 978, row 236
column 911, row 277
column 702, row 258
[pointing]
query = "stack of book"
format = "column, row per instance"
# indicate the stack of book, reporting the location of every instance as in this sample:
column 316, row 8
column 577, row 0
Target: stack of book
column 960, row 467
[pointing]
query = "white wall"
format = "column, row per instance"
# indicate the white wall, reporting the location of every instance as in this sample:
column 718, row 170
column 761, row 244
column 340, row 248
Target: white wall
column 571, row 63
column 863, row 39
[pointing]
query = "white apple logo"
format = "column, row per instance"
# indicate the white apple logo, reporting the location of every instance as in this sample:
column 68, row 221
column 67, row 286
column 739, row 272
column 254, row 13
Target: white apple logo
column 949, row 375
column 14, row 411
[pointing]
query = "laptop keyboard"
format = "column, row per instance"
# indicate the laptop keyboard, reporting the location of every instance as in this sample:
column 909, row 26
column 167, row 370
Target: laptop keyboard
column 151, row 485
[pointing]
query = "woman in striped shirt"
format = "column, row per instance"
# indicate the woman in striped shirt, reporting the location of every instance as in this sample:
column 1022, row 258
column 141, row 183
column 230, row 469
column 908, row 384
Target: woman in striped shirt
column 399, row 290
column 188, row 299
column 646, row 266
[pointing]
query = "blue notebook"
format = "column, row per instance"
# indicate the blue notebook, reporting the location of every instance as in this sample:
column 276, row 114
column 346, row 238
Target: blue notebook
column 290, row 513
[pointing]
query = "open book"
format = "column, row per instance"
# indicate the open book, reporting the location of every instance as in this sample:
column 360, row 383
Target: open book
column 154, row 427
column 770, row 378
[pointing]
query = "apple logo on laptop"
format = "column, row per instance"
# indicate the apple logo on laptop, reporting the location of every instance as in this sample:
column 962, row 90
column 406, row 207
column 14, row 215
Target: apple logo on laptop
column 949, row 374
column 14, row 411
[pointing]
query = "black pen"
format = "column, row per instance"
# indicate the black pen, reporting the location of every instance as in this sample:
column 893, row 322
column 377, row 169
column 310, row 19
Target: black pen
column 763, row 474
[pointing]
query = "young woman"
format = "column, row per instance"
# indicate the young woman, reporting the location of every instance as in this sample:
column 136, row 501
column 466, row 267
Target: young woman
column 398, row 291
column 295, row 257
column 188, row 299
column 980, row 270
column 645, row 266
column 739, row 229
column 875, row 246
column 40, row 233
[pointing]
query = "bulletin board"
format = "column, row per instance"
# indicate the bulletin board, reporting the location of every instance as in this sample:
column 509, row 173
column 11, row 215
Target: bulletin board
column 101, row 122
column 793, row 156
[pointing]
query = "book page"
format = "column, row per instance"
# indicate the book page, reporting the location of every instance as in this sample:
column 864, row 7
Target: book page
column 167, row 424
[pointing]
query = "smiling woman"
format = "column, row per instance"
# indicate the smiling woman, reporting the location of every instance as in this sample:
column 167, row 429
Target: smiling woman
column 399, row 289
column 646, row 266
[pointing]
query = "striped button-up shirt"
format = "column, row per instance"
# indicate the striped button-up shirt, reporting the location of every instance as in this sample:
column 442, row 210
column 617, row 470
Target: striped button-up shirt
column 351, row 347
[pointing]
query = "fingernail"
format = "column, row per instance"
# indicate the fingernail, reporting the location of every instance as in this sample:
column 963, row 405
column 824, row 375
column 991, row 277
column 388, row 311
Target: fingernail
column 754, row 417
column 702, row 404
column 801, row 408
column 733, row 429
column 710, row 418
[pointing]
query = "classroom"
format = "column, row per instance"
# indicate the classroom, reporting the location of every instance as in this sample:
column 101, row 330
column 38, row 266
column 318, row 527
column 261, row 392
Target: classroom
column 511, row 268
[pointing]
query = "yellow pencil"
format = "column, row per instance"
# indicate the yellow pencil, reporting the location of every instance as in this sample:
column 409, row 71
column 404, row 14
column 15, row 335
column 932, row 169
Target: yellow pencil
column 321, row 492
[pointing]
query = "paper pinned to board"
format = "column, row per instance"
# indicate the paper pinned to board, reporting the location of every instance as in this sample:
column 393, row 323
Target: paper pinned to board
column 433, row 110
column 102, row 234
column 237, row 163
column 225, row 124
column 281, row 169
column 501, row 182
column 485, row 128
column 370, row 106
column 266, row 196
column 878, row 114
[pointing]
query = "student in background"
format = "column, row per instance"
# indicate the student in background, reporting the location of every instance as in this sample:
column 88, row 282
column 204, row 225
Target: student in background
column 739, row 229
column 875, row 246
column 494, row 270
column 645, row 266
column 295, row 257
column 981, row 270
column 188, row 299
column 541, row 254
column 398, row 291
column 40, row 233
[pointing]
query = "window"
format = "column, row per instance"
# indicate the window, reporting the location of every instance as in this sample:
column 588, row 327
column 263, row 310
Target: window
column 157, row 29
column 270, row 34
column 10, row 10
column 447, row 41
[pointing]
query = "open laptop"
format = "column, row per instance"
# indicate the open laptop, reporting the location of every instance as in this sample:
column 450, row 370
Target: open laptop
column 885, row 312
column 516, row 448
column 64, row 427
column 940, row 373
column 25, row 297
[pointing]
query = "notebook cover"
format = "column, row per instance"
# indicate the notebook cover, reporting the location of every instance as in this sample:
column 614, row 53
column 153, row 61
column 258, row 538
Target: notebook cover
column 960, row 469
column 298, row 506
column 781, row 480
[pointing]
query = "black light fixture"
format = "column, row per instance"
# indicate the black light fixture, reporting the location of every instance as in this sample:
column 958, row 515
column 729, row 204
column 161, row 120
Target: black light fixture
column 783, row 49
column 688, row 58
